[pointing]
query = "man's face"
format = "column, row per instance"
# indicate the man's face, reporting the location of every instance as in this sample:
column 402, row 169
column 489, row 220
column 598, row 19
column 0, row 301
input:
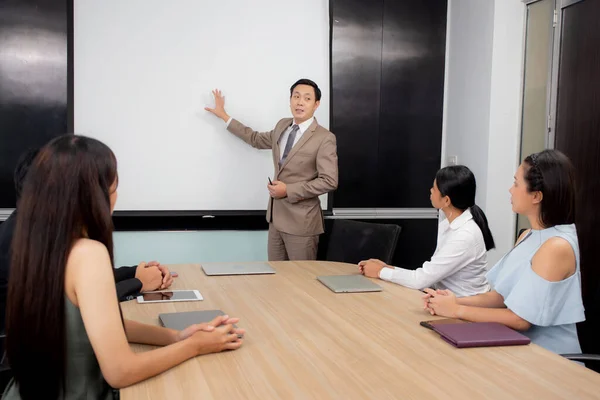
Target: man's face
column 303, row 103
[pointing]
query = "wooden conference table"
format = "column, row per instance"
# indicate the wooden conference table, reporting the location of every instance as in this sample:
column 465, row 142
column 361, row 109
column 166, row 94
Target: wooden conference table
column 305, row 342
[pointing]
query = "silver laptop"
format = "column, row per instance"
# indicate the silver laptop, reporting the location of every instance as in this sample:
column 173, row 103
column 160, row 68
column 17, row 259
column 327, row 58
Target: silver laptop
column 252, row 268
column 181, row 320
column 349, row 283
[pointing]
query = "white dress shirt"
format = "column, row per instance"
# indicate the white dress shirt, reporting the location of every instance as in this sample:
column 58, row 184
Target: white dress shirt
column 459, row 262
column 302, row 127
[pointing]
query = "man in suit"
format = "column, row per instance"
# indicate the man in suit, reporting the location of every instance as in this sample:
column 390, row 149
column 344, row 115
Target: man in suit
column 306, row 166
column 130, row 281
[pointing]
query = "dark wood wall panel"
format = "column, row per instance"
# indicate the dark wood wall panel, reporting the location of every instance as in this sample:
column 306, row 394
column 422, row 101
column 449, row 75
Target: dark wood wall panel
column 34, row 76
column 387, row 76
column 412, row 96
column 356, row 90
column 578, row 136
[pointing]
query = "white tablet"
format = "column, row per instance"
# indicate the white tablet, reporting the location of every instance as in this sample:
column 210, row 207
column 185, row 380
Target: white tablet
column 166, row 296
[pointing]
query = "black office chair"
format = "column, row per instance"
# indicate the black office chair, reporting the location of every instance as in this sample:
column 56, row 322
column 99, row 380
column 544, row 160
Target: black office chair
column 592, row 361
column 354, row 241
column 5, row 371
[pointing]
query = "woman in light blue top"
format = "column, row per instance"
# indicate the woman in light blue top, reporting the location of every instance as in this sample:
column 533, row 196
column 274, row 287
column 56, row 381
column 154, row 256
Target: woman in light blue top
column 536, row 285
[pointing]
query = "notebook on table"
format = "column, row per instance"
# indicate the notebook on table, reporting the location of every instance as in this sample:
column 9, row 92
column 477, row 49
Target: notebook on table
column 181, row 320
column 480, row 334
column 235, row 268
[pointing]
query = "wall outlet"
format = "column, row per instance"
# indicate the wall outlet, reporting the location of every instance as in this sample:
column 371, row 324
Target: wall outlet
column 452, row 160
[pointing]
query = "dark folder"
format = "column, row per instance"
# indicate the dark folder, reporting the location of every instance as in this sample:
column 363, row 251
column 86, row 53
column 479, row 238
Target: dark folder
column 480, row 334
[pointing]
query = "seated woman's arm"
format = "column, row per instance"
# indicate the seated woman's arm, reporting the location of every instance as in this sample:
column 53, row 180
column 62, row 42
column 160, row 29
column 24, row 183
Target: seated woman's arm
column 90, row 285
column 501, row 315
column 554, row 261
column 456, row 253
column 491, row 299
column 137, row 332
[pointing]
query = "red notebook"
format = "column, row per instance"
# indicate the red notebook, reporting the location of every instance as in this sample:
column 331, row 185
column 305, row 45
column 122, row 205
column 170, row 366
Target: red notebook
column 480, row 334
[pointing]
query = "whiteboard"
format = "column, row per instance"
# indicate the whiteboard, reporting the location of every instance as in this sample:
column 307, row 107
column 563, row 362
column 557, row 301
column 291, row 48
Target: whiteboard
column 144, row 71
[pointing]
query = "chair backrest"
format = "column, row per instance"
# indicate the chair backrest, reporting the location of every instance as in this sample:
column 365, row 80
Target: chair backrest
column 589, row 330
column 354, row 241
column 5, row 371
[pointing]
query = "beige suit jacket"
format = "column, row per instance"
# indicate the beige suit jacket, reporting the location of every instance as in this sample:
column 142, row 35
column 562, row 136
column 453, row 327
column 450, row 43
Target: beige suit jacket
column 310, row 169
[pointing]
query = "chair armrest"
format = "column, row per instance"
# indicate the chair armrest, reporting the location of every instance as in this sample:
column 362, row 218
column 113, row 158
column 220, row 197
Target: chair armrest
column 582, row 357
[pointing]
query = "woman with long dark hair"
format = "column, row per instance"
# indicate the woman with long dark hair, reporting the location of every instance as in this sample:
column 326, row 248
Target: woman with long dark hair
column 536, row 285
column 459, row 262
column 65, row 334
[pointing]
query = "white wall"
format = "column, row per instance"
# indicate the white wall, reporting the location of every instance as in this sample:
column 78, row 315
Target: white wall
column 505, row 120
column 483, row 103
column 468, row 85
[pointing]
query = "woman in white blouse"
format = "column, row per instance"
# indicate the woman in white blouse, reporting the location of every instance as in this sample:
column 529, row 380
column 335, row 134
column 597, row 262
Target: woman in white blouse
column 459, row 262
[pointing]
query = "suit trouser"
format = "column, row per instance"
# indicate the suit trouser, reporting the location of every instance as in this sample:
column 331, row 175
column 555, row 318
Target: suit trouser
column 283, row 246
